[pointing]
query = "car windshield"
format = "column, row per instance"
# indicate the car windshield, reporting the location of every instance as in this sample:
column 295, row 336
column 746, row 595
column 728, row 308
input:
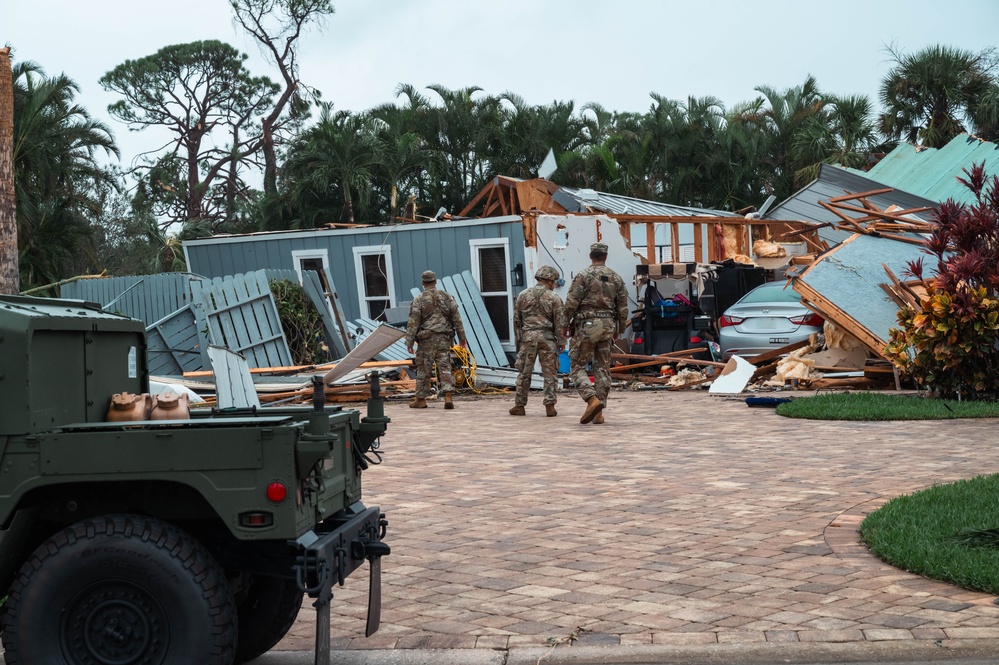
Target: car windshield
column 772, row 292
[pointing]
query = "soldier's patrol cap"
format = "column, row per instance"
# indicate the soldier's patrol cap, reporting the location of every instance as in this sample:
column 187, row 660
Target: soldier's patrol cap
column 599, row 248
column 428, row 276
column 546, row 272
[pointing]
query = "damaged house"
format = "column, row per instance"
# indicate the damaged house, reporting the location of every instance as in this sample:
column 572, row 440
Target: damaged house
column 504, row 234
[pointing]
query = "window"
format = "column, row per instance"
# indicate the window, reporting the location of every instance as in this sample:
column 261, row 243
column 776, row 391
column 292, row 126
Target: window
column 375, row 287
column 311, row 259
column 491, row 269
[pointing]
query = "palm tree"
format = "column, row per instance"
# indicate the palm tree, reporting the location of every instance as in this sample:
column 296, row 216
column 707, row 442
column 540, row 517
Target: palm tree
column 9, row 281
column 781, row 115
column 330, row 167
column 57, row 175
column 683, row 138
column 935, row 94
column 739, row 181
column 843, row 133
column 529, row 132
column 464, row 131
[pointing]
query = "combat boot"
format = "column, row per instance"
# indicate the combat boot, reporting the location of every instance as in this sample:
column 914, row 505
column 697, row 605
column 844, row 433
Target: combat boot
column 448, row 404
column 418, row 403
column 550, row 410
column 518, row 410
column 593, row 407
column 599, row 418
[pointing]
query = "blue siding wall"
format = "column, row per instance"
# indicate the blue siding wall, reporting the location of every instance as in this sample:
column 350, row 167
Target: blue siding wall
column 442, row 247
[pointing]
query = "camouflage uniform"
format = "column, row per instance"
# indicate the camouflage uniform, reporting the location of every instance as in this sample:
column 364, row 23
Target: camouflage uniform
column 596, row 309
column 433, row 322
column 537, row 324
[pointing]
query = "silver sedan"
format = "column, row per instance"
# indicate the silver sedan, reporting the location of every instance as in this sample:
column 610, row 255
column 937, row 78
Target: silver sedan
column 767, row 318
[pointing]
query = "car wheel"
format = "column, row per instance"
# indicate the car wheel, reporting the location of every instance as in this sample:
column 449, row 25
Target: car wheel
column 120, row 589
column 266, row 615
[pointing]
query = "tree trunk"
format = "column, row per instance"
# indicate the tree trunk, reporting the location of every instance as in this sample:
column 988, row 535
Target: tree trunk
column 270, row 159
column 10, row 281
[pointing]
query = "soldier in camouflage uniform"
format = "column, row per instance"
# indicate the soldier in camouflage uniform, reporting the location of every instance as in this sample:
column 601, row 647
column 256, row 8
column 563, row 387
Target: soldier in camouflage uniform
column 596, row 312
column 433, row 322
column 537, row 324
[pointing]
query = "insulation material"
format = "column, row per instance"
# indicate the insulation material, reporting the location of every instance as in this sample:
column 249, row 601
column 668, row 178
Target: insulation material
column 685, row 376
column 792, row 366
column 732, row 236
column 837, row 338
column 728, row 242
column 768, row 250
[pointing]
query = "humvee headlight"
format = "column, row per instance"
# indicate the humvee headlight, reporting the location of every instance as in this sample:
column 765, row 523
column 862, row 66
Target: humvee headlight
column 277, row 492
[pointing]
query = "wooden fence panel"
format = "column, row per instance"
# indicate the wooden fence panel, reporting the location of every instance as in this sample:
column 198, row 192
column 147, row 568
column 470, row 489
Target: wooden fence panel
column 242, row 316
column 174, row 344
column 148, row 298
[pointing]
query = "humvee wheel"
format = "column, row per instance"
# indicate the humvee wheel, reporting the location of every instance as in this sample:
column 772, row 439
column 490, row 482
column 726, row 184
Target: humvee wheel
column 119, row 590
column 266, row 615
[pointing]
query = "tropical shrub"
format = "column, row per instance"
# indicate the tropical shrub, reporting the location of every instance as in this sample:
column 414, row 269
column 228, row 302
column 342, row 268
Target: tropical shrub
column 301, row 322
column 949, row 343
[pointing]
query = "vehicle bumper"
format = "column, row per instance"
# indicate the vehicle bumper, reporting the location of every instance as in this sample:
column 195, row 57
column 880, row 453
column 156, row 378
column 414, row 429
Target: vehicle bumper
column 332, row 551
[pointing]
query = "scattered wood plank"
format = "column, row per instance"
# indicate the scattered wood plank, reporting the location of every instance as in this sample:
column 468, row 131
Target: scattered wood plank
column 670, row 354
column 765, row 370
column 699, row 363
column 857, row 383
column 776, row 353
column 299, row 369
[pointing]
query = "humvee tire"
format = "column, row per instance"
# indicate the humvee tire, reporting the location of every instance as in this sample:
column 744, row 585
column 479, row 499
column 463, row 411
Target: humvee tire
column 120, row 589
column 266, row 615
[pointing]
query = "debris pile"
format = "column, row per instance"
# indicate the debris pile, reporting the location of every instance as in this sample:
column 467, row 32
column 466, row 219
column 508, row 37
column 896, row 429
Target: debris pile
column 856, row 289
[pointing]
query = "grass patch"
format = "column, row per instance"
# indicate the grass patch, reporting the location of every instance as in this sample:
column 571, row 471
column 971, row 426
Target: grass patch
column 927, row 533
column 883, row 406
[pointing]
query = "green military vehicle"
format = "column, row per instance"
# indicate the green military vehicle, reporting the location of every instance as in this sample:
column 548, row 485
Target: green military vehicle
column 167, row 542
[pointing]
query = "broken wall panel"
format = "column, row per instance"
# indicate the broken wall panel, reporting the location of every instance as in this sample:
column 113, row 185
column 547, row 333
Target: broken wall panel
column 844, row 285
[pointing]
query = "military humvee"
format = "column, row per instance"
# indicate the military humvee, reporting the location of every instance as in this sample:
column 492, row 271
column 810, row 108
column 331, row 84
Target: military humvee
column 167, row 541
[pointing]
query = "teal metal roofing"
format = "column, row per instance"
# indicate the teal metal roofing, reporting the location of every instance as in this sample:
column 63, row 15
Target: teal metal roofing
column 836, row 181
column 932, row 173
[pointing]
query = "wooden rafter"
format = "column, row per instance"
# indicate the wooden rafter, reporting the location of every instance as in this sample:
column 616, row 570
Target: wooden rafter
column 852, row 197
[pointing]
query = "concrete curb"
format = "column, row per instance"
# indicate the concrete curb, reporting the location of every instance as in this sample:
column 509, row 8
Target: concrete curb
column 966, row 652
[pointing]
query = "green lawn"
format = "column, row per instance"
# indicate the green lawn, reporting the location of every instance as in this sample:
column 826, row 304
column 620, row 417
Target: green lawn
column 884, row 406
column 927, row 533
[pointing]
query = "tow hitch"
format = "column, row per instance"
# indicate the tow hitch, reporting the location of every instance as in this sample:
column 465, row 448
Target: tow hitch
column 327, row 558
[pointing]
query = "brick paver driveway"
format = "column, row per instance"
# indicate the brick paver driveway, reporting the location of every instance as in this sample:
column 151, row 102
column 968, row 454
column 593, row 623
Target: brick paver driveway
column 685, row 519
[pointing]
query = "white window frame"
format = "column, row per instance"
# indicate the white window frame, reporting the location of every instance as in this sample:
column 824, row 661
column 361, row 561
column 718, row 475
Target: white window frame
column 298, row 254
column 474, row 246
column 362, row 297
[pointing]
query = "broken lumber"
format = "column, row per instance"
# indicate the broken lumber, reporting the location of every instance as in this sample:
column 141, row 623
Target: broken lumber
column 776, row 353
column 299, row 369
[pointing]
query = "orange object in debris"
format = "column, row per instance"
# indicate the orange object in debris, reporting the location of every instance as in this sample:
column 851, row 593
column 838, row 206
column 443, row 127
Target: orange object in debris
column 170, row 406
column 665, row 371
column 127, row 407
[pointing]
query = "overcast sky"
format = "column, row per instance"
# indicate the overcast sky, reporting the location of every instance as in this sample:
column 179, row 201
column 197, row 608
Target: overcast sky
column 614, row 52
